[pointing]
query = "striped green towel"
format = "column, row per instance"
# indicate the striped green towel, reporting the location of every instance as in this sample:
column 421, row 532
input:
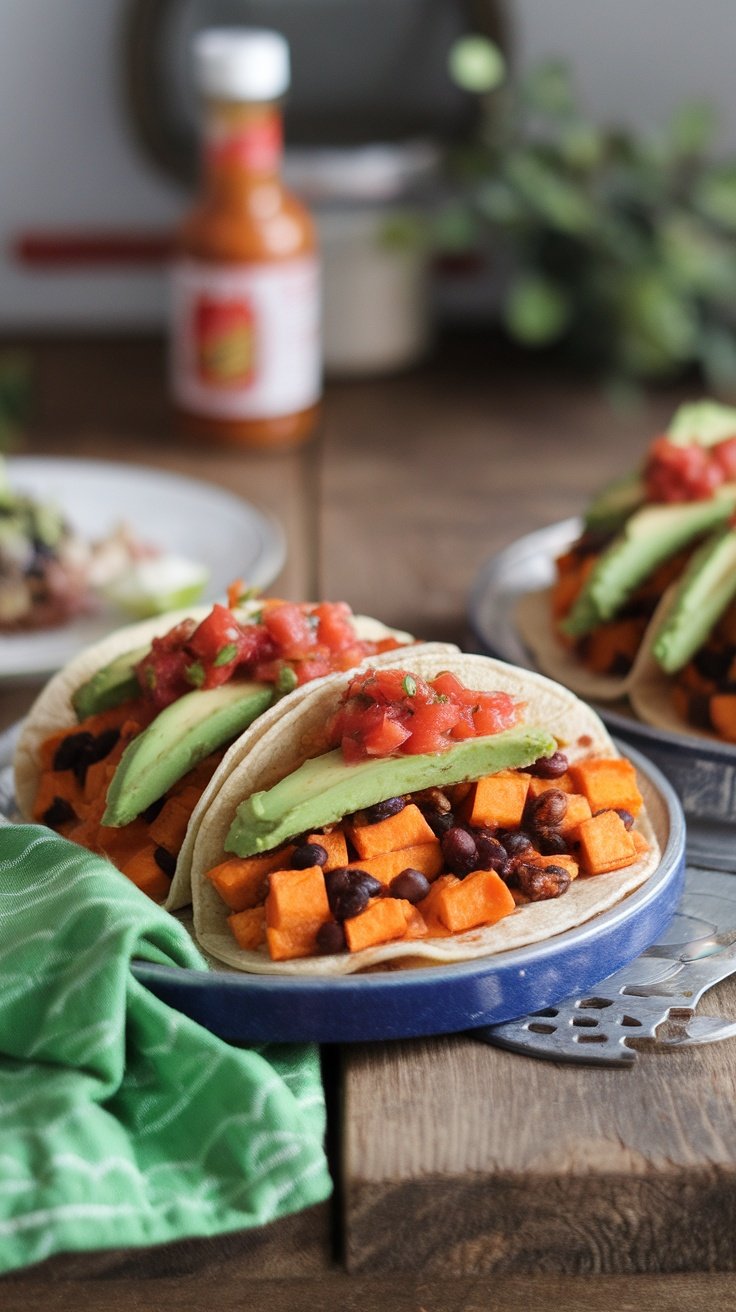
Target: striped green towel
column 122, row 1121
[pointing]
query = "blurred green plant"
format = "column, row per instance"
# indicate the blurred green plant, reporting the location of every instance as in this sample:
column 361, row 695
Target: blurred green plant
column 619, row 248
column 15, row 397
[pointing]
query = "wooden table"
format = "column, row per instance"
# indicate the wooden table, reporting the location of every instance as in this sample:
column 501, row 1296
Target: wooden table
column 466, row 1177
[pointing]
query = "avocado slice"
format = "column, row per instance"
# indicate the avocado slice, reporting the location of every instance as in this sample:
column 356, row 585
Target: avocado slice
column 325, row 789
column 113, row 684
column 613, row 506
column 705, row 590
column 177, row 740
column 702, row 423
column 647, row 539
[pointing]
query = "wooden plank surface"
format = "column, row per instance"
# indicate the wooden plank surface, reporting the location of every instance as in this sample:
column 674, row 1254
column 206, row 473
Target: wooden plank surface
column 336, row 1292
column 465, row 1159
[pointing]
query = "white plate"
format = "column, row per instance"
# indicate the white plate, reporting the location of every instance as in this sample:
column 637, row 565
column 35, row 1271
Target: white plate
column 228, row 535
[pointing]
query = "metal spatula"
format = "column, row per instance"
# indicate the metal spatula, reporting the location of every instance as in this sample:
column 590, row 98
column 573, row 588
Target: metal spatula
column 649, row 1004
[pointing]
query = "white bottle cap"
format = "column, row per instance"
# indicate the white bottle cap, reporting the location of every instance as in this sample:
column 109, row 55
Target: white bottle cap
column 241, row 63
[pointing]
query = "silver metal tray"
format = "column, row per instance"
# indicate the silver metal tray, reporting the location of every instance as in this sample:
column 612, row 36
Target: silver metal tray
column 702, row 772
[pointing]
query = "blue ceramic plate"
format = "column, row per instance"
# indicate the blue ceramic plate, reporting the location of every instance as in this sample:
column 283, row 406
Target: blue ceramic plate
column 397, row 1004
column 702, row 771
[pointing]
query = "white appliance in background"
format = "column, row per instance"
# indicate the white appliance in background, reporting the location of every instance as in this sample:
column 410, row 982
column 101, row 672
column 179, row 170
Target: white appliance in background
column 103, row 170
column 70, row 165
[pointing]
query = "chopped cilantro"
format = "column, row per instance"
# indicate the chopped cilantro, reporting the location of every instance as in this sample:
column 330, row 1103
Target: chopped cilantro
column 195, row 674
column 226, row 654
column 287, row 679
column 409, row 685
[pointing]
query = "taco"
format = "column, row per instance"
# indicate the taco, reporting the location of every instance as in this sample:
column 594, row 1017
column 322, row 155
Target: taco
column 443, row 809
column 637, row 537
column 125, row 747
column 686, row 680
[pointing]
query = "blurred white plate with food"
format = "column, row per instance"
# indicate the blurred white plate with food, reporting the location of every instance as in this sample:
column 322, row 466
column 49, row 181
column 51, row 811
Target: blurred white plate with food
column 88, row 545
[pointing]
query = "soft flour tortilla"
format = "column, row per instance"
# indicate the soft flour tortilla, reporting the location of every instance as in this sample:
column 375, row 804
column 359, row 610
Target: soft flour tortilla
column 533, row 619
column 650, row 692
column 301, row 735
column 53, row 710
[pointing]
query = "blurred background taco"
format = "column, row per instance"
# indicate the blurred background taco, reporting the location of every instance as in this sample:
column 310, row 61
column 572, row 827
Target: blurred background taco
column 637, row 538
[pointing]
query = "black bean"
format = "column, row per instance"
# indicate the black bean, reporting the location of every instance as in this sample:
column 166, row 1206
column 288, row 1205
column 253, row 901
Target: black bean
column 80, row 750
column 550, row 842
column 439, row 821
column 549, row 767
column 72, row 748
column 548, row 809
column 330, row 937
column 58, row 813
column 492, row 855
column 410, row 884
column 342, row 882
column 515, row 842
column 460, row 851
column 165, row 861
column 308, row 854
column 151, row 812
column 382, row 810
column 540, row 883
column 350, row 902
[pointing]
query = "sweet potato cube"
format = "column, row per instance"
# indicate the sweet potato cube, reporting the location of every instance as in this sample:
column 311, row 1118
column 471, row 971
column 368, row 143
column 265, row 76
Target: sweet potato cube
column 296, row 907
column 608, row 782
column 297, row 898
column 538, row 786
column 383, row 920
column 61, row 784
column 407, row 828
column 242, row 882
column 723, row 715
column 249, row 927
column 640, row 842
column 567, row 863
column 143, row 870
column 480, row 899
column 428, row 904
column 578, row 809
column 335, row 846
column 497, row 799
column 416, row 925
column 605, row 844
column 612, row 647
column 426, row 857
column 170, row 826
column 294, row 941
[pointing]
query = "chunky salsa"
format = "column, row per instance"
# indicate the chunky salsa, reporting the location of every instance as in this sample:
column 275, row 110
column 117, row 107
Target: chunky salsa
column 675, row 473
column 287, row 644
column 391, row 711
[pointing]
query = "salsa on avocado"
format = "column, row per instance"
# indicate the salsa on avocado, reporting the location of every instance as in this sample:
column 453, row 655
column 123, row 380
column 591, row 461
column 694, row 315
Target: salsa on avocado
column 287, row 645
column 392, row 711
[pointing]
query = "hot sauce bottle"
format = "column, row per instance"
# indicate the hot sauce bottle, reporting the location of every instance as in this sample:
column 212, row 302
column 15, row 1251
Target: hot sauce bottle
column 245, row 355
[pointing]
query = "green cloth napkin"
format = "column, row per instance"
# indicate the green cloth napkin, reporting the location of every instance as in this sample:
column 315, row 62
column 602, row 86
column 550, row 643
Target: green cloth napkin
column 123, row 1122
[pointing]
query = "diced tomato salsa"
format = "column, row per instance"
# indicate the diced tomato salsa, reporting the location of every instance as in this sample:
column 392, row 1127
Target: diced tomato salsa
column 688, row 473
column 393, row 711
column 288, row 644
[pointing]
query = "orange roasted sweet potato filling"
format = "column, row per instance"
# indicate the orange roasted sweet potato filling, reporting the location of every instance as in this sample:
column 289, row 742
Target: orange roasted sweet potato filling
column 437, row 863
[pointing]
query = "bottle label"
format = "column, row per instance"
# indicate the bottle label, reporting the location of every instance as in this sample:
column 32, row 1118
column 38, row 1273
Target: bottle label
column 255, row 144
column 245, row 338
